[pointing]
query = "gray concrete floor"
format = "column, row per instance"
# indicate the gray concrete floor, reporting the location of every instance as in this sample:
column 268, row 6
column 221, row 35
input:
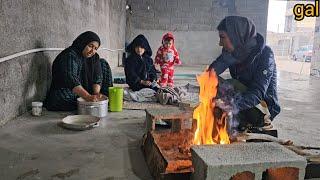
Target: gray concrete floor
column 36, row 148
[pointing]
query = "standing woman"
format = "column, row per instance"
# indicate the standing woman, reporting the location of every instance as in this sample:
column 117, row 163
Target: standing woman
column 78, row 71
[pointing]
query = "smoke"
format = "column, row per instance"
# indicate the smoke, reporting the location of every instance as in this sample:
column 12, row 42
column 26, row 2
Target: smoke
column 225, row 100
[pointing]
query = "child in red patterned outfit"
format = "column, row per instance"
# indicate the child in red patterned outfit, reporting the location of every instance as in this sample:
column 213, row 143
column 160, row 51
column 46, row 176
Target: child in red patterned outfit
column 167, row 56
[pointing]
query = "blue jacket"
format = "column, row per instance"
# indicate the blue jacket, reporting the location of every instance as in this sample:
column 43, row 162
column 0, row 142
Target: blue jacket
column 258, row 73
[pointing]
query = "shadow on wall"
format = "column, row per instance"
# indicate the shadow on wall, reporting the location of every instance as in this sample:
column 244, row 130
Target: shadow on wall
column 37, row 78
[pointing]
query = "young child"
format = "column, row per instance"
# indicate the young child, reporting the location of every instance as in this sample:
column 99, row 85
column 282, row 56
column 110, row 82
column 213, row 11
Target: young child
column 167, row 56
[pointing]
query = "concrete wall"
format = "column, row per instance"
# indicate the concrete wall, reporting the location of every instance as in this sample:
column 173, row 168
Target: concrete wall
column 29, row 24
column 193, row 22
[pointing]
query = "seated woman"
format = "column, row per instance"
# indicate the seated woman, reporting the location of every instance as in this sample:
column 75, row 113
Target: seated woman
column 139, row 69
column 252, row 66
column 78, row 71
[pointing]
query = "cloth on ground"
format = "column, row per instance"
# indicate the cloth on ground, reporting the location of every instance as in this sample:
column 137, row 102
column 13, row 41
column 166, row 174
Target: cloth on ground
column 143, row 95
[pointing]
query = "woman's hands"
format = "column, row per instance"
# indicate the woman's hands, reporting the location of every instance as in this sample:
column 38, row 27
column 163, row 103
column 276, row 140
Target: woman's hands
column 95, row 97
column 91, row 98
column 146, row 83
column 80, row 91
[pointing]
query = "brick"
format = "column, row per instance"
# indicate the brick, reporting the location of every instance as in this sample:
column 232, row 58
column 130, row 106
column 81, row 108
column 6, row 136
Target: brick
column 160, row 13
column 172, row 3
column 181, row 14
column 145, row 25
column 137, row 21
column 190, row 20
column 184, row 3
column 160, row 4
column 178, row 27
column 146, row 14
column 199, row 3
column 164, row 20
column 175, row 20
column 199, row 27
column 159, row 26
column 226, row 161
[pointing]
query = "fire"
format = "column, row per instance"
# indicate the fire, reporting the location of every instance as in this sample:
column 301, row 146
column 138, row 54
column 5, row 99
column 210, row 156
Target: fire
column 210, row 130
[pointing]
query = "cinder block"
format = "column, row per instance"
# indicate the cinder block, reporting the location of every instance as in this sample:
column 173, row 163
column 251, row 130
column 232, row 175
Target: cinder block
column 171, row 114
column 227, row 161
column 178, row 27
column 183, row 3
column 172, row 4
column 199, row 27
column 174, row 20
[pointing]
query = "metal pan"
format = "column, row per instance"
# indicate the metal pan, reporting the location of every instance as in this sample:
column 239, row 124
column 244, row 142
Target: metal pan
column 80, row 122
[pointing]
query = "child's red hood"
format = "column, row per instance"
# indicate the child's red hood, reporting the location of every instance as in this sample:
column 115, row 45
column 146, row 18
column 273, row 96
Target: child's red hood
column 168, row 35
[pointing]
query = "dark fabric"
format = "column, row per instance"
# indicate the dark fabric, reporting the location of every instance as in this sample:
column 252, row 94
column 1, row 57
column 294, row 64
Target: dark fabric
column 138, row 67
column 259, row 74
column 106, row 76
column 91, row 73
column 222, row 62
column 251, row 117
column 66, row 74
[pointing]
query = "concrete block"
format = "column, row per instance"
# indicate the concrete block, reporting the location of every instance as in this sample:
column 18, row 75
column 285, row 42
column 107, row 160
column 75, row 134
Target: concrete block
column 159, row 26
column 160, row 4
column 178, row 27
column 174, row 20
column 190, row 20
column 164, row 20
column 199, row 27
column 172, row 4
column 183, row 3
column 201, row 3
column 170, row 113
column 182, row 14
column 226, row 161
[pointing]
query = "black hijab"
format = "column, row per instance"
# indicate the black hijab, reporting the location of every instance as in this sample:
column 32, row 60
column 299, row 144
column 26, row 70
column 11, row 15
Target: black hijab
column 91, row 66
column 84, row 39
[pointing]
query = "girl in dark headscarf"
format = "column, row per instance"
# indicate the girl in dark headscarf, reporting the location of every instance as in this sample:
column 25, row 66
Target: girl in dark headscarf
column 139, row 69
column 252, row 67
column 77, row 72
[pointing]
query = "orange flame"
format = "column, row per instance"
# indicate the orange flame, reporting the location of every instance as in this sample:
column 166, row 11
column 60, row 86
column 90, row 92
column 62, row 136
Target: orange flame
column 210, row 130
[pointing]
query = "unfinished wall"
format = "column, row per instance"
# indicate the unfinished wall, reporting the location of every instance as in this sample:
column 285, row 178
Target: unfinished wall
column 29, row 24
column 193, row 22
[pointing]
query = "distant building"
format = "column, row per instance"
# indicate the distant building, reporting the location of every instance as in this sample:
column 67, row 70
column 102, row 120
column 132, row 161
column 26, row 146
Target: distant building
column 300, row 33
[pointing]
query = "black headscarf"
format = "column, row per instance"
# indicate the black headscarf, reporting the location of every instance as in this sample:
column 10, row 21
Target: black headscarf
column 91, row 66
column 242, row 33
column 84, row 39
column 141, row 41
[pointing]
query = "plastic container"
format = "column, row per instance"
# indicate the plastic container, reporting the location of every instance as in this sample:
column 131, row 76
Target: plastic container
column 115, row 99
column 36, row 108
